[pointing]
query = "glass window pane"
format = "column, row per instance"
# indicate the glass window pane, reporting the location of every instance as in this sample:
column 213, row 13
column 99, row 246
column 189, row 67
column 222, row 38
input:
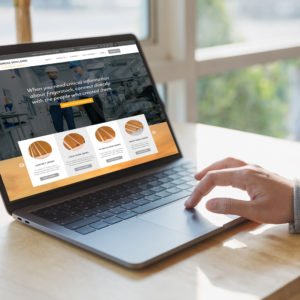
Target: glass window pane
column 260, row 99
column 222, row 22
column 162, row 91
column 65, row 19
column 7, row 23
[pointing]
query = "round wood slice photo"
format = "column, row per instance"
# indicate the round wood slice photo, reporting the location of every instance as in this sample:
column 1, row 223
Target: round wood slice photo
column 134, row 127
column 105, row 134
column 40, row 149
column 74, row 141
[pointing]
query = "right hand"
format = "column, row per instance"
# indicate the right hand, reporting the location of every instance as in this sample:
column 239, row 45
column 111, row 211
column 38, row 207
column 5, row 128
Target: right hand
column 271, row 196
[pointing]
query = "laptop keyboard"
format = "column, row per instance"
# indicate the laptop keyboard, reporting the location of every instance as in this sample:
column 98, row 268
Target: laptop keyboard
column 109, row 206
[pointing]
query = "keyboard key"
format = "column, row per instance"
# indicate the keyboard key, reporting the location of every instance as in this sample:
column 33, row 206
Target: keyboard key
column 117, row 210
column 146, row 193
column 158, row 175
column 163, row 194
column 169, row 172
column 152, row 197
column 179, row 181
column 164, row 179
column 185, row 174
column 161, row 202
column 141, row 201
column 113, row 220
column 99, row 225
column 54, row 219
column 174, row 190
column 102, row 208
column 69, row 220
column 157, row 189
column 188, row 179
column 114, row 197
column 112, row 204
column 82, row 222
column 153, row 183
column 184, row 186
column 168, row 185
column 85, row 230
column 126, row 215
column 135, row 196
column 137, row 189
column 88, row 213
column 129, row 205
column 104, row 215
column 124, row 200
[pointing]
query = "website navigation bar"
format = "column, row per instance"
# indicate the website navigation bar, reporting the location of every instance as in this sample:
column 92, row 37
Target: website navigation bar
column 49, row 59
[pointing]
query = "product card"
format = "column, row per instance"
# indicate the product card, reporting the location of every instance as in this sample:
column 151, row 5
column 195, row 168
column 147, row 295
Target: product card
column 108, row 143
column 43, row 160
column 137, row 136
column 77, row 151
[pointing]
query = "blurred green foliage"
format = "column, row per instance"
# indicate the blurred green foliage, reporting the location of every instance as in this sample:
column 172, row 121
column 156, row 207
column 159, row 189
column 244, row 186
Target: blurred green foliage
column 213, row 23
column 253, row 99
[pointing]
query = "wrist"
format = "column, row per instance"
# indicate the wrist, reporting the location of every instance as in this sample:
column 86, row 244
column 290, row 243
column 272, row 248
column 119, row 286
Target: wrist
column 294, row 227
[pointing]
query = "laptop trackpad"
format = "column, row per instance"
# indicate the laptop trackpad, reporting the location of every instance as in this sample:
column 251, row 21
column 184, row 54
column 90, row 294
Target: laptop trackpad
column 176, row 217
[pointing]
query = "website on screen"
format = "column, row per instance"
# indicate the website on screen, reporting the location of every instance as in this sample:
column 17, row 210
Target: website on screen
column 74, row 114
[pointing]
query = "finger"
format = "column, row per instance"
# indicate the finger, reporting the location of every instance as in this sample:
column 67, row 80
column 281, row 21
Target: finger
column 230, row 206
column 226, row 177
column 226, row 163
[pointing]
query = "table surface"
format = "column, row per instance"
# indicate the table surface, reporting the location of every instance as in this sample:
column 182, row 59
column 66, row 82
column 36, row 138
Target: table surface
column 250, row 261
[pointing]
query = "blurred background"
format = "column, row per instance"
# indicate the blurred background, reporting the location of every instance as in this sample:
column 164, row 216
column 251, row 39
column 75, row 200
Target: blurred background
column 230, row 63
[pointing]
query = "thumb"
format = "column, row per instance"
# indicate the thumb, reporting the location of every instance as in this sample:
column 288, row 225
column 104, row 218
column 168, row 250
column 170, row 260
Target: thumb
column 230, row 206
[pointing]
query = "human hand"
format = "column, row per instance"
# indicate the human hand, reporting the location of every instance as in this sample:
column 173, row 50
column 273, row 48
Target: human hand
column 271, row 196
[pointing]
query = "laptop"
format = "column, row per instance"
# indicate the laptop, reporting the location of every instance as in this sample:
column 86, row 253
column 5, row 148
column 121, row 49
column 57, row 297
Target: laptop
column 88, row 154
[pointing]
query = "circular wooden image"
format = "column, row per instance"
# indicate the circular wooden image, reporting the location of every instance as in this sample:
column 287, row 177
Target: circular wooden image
column 105, row 134
column 134, row 127
column 74, row 141
column 40, row 149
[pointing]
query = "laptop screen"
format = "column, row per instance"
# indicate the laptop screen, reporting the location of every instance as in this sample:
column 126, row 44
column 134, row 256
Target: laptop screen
column 72, row 114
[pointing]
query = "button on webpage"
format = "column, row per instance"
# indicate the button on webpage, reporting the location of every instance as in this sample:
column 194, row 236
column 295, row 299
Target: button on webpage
column 76, row 102
column 113, row 51
column 114, row 159
column 49, row 176
column 143, row 151
column 83, row 167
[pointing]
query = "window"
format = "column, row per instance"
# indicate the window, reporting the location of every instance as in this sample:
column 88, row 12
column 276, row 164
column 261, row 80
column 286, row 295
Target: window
column 260, row 99
column 222, row 22
column 7, row 23
column 61, row 19
column 247, row 64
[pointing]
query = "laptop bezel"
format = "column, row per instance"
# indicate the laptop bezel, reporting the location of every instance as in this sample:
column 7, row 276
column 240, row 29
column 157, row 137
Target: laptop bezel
column 53, row 194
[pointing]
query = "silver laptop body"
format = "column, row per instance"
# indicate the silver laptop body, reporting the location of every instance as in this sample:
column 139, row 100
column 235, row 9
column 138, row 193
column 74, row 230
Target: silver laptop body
column 150, row 234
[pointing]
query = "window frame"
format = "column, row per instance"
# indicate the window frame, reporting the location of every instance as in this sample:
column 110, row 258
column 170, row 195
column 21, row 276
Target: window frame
column 181, row 67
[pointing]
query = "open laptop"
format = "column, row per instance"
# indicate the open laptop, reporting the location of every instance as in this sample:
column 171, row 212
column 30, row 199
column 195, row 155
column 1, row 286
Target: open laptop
column 88, row 154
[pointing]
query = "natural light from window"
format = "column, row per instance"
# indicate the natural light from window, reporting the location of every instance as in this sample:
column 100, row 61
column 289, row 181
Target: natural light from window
column 52, row 20
column 223, row 22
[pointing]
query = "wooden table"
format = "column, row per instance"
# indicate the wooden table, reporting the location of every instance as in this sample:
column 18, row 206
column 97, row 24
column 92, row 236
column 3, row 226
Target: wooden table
column 250, row 261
